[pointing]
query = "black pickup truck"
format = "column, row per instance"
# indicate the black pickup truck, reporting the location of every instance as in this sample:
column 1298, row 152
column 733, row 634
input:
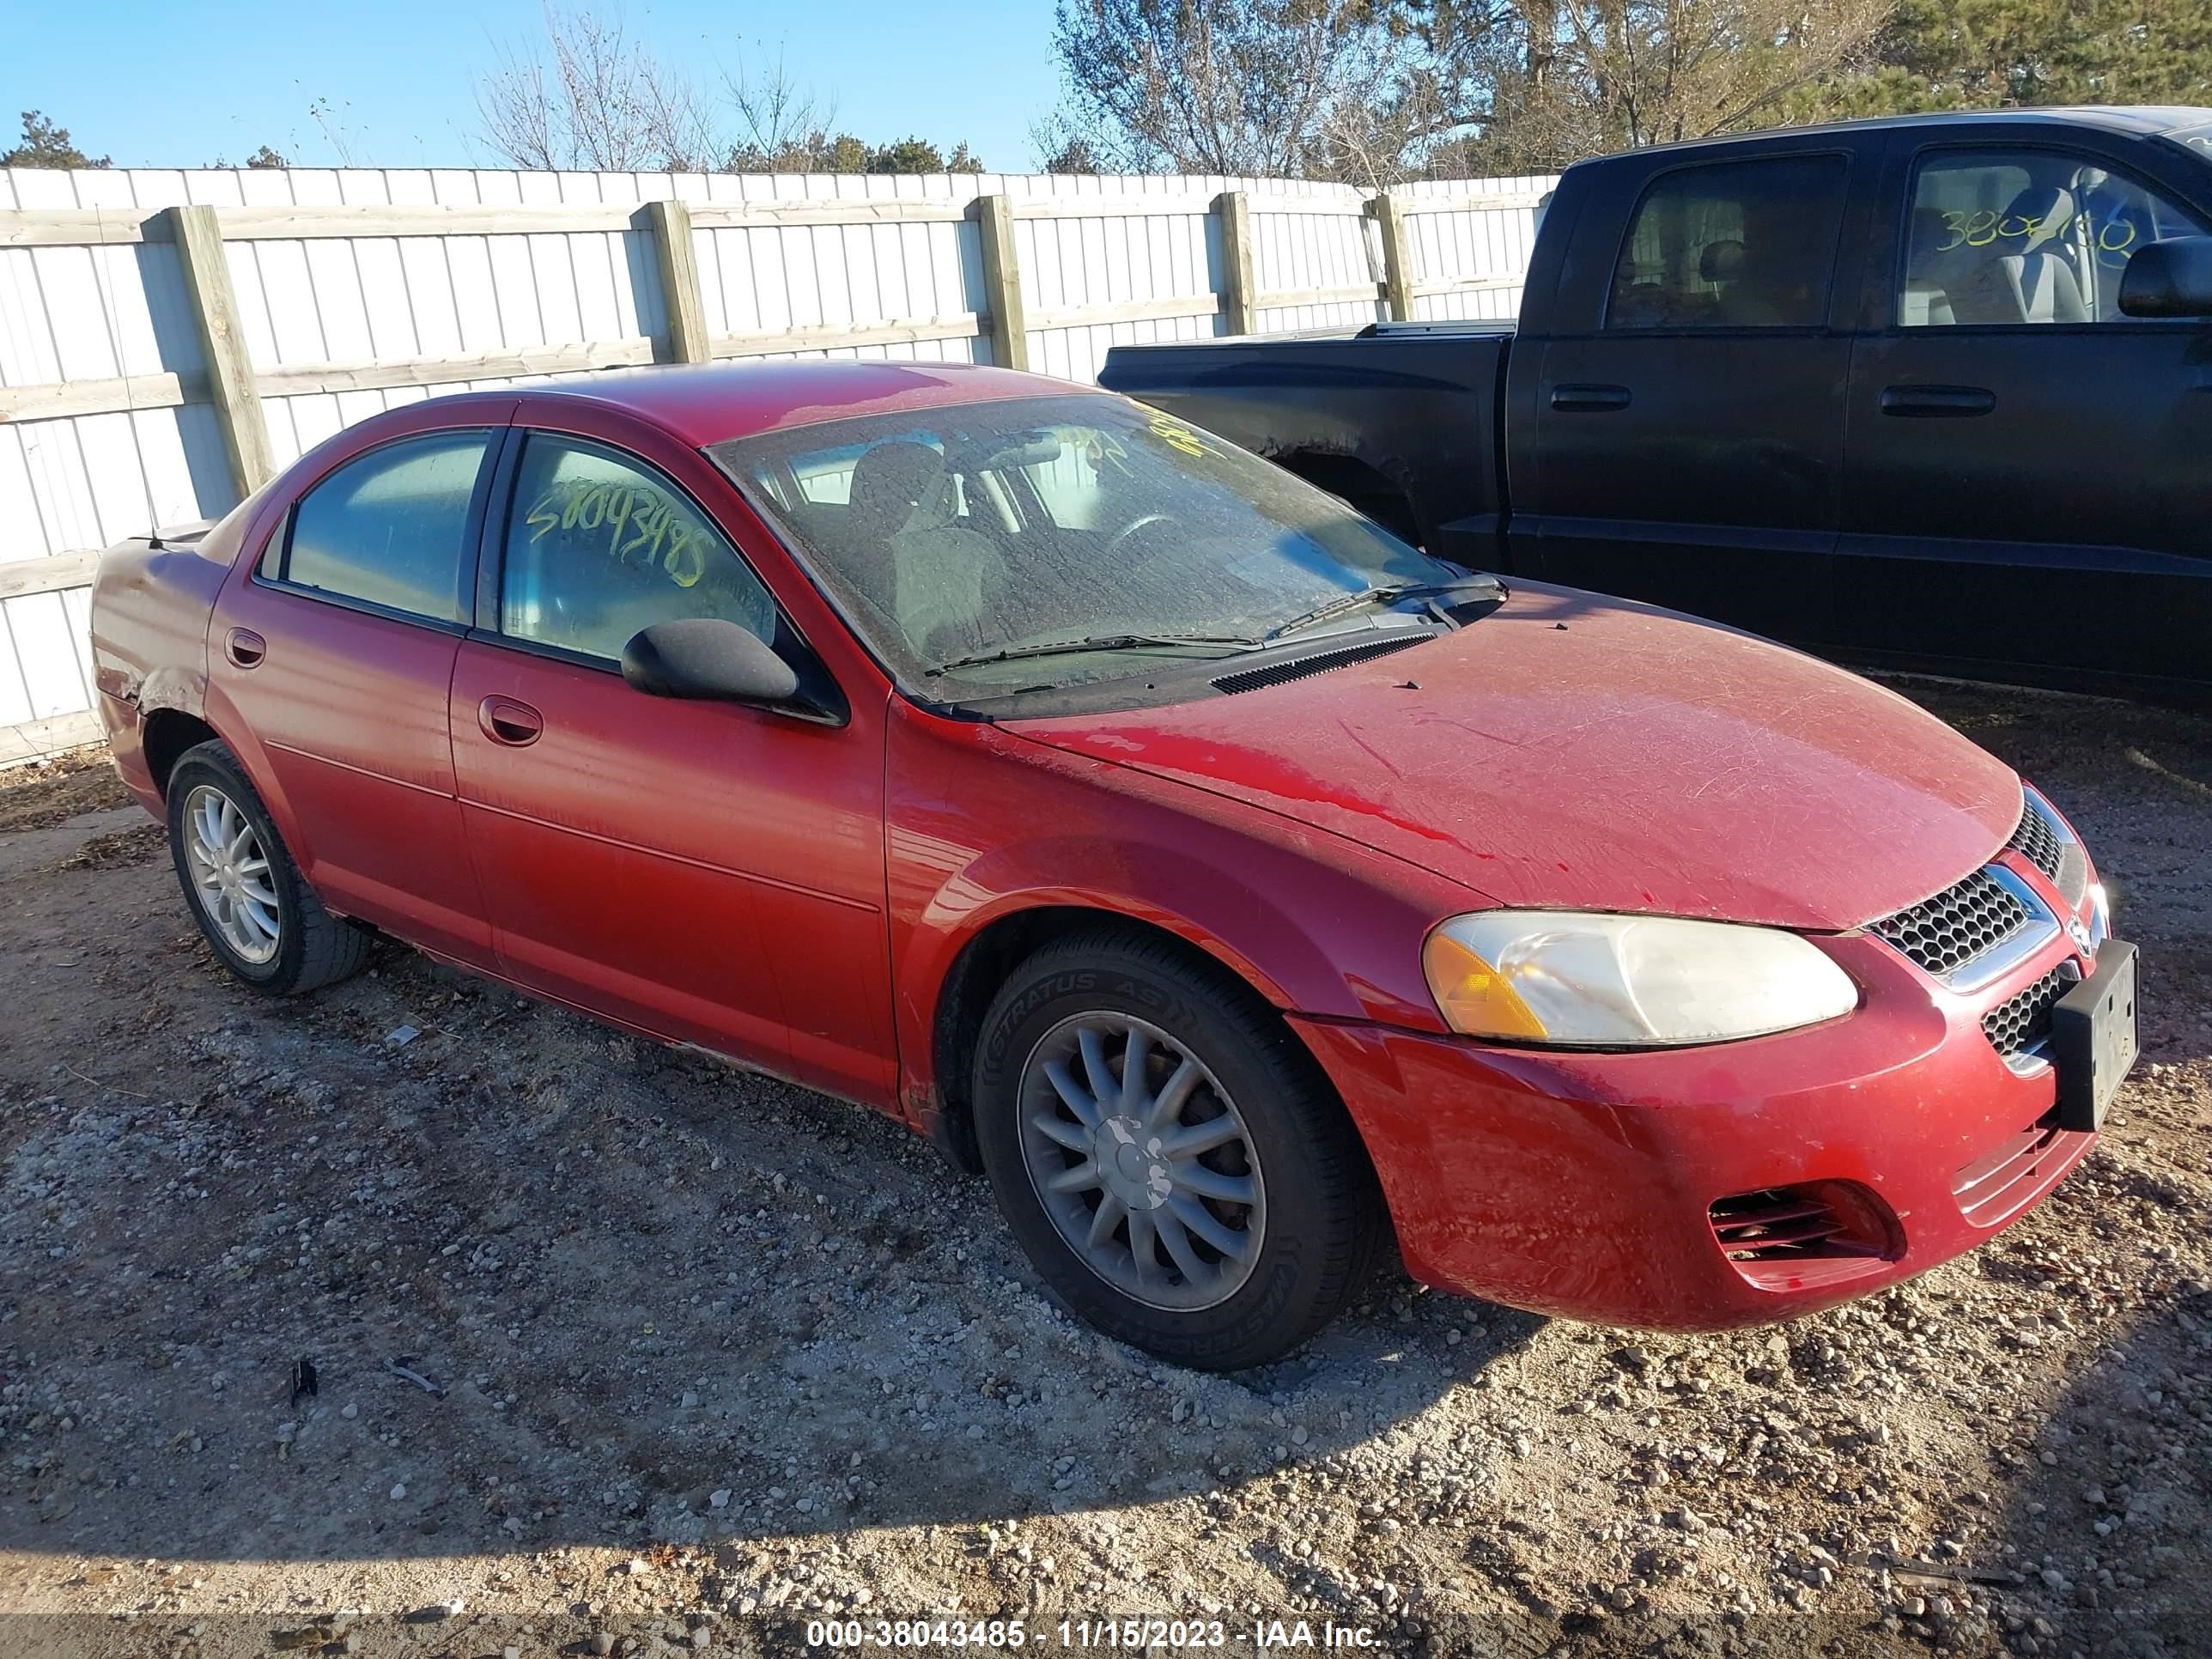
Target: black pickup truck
column 1929, row 392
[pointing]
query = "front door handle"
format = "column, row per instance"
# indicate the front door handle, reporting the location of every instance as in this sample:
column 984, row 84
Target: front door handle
column 505, row 720
column 1927, row 401
column 1588, row 399
column 244, row 647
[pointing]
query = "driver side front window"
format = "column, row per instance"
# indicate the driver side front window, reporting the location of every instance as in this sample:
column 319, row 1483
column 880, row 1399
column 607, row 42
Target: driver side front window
column 2024, row 236
column 601, row 546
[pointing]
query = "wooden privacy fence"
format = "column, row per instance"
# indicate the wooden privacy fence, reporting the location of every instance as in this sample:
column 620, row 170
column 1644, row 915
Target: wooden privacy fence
column 169, row 341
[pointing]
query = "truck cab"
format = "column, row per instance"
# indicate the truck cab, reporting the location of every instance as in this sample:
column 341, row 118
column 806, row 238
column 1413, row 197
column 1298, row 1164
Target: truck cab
column 1867, row 387
column 1870, row 389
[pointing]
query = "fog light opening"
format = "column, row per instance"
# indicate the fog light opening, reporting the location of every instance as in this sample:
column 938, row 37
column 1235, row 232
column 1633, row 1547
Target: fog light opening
column 1776, row 1235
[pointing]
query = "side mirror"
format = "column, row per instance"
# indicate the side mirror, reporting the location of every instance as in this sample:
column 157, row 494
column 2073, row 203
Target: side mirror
column 710, row 659
column 2172, row 279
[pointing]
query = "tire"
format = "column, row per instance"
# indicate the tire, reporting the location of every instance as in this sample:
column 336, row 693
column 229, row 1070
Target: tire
column 254, row 909
column 1233, row 1142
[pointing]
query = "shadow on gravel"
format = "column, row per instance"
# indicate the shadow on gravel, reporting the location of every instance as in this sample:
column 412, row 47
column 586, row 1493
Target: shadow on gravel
column 2109, row 1511
column 653, row 1303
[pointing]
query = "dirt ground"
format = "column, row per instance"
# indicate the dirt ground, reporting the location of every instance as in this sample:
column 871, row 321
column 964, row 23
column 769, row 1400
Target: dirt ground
column 37, row 796
column 614, row 1350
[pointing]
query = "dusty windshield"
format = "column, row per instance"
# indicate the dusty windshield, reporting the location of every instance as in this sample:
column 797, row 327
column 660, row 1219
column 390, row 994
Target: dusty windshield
column 1030, row 525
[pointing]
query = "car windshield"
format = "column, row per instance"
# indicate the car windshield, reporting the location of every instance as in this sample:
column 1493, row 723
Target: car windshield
column 1052, row 541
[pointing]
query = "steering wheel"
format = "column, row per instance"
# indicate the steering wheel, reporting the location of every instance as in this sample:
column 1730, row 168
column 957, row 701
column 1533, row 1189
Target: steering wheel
column 1143, row 521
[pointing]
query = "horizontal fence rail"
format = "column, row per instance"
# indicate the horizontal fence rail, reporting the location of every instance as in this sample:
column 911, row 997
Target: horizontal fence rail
column 170, row 340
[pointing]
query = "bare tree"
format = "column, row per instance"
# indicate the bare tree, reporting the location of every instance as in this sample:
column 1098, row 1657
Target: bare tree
column 592, row 97
column 1384, row 129
column 337, row 132
column 1537, row 83
column 1373, row 91
column 1213, row 86
column 1060, row 143
column 781, row 126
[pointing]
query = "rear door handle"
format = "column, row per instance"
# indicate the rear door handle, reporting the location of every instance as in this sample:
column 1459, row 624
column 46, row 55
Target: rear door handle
column 244, row 647
column 1926, row 401
column 505, row 720
column 1588, row 399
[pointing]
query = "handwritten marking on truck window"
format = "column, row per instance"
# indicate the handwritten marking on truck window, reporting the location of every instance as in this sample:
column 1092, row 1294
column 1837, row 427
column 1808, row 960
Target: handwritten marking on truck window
column 2112, row 241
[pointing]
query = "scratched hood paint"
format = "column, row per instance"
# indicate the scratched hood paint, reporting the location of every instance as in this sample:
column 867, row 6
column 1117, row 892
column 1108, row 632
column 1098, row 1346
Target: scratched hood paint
column 1632, row 760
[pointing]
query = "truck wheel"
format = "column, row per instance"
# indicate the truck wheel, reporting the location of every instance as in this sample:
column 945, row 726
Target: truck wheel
column 245, row 892
column 1175, row 1165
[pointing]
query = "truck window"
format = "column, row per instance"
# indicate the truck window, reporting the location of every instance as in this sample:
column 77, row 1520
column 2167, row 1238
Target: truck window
column 1733, row 245
column 2024, row 236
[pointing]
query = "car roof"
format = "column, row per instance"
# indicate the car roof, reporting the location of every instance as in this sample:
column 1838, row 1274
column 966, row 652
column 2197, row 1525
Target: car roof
column 702, row 403
column 2134, row 119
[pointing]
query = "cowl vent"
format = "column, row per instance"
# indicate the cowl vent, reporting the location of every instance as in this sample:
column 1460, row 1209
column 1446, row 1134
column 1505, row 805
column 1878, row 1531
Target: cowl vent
column 1299, row 668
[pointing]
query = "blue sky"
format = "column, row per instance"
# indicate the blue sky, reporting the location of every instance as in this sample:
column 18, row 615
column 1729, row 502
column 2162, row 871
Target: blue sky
column 176, row 84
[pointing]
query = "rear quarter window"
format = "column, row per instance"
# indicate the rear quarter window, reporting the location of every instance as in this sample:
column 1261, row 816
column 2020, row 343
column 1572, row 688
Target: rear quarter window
column 390, row 528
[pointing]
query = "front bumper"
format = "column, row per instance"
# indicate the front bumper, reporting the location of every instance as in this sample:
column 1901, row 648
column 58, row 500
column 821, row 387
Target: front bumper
column 1584, row 1184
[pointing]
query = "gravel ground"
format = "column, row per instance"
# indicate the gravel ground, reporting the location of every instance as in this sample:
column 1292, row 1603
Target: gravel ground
column 614, row 1350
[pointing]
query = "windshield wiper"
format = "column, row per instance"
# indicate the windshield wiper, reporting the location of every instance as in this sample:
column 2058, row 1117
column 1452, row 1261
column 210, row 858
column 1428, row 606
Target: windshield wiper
column 1094, row 642
column 1343, row 602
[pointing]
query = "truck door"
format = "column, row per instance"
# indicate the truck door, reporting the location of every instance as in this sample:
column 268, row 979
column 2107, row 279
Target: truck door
column 2024, row 493
column 1689, row 439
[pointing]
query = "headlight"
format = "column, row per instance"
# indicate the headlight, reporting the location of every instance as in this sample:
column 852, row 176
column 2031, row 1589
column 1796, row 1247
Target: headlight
column 1625, row 981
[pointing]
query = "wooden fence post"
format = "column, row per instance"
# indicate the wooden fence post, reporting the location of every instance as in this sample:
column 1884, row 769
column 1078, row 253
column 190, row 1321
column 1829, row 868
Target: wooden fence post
column 1397, row 255
column 1240, row 291
column 1002, row 282
column 670, row 224
column 198, row 238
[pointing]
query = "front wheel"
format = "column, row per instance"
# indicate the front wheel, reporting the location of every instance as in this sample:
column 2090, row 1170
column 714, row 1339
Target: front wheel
column 1173, row 1162
column 248, row 894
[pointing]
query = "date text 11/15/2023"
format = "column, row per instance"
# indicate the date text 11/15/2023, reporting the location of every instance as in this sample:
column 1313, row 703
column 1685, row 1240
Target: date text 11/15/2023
column 1262, row 1635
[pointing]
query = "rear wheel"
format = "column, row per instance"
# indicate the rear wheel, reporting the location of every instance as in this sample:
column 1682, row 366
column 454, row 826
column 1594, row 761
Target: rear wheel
column 245, row 892
column 1173, row 1162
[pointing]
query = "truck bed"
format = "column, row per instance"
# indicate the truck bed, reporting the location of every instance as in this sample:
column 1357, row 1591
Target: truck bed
column 1401, row 419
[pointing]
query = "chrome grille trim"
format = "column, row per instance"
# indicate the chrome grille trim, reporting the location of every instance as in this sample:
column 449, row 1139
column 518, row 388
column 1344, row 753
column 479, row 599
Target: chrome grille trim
column 2042, row 838
column 1975, row 931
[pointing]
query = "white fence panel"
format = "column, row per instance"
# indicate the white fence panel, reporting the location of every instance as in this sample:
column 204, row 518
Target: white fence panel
column 1487, row 245
column 105, row 425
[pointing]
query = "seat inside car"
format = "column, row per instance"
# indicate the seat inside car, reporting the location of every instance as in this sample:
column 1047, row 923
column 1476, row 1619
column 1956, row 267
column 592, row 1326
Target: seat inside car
column 2035, row 285
column 937, row 578
column 1925, row 299
column 1750, row 292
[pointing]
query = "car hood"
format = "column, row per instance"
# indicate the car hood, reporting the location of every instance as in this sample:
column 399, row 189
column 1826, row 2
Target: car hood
column 1572, row 750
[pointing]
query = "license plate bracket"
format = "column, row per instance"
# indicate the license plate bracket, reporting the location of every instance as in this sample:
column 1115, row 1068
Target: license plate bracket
column 2093, row 1037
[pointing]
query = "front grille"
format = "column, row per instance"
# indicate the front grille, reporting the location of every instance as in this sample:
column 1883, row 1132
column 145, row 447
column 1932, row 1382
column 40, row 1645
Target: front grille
column 2044, row 843
column 1965, row 920
column 2020, row 1022
column 2035, row 837
column 1251, row 679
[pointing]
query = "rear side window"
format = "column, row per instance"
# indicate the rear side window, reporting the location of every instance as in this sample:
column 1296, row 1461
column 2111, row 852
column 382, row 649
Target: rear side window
column 391, row 527
column 600, row 545
column 1736, row 245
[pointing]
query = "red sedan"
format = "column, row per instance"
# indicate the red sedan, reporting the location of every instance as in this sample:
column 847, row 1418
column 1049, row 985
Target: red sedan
column 1229, row 879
